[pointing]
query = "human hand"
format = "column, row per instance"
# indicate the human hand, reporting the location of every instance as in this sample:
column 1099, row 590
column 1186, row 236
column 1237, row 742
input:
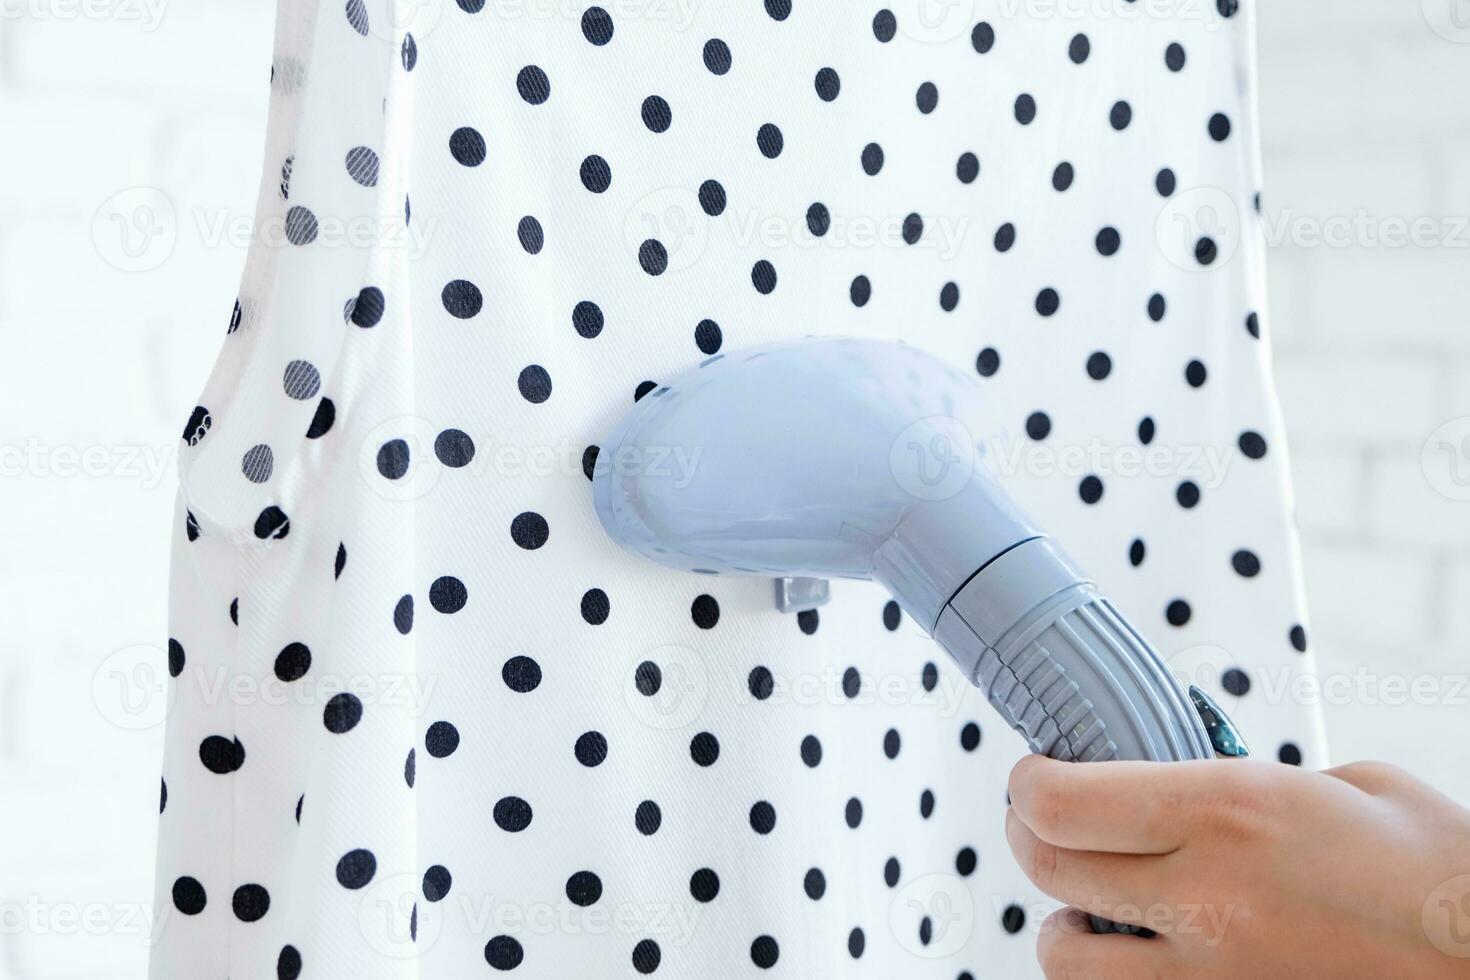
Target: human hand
column 1244, row 869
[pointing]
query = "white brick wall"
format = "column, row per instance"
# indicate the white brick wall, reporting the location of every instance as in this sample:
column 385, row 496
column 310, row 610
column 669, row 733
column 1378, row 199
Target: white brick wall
column 1362, row 112
column 1362, row 109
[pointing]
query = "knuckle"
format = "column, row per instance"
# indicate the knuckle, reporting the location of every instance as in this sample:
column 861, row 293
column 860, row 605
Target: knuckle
column 1042, row 864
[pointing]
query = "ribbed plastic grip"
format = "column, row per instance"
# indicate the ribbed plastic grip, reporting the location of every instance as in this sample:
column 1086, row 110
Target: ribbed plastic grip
column 1063, row 667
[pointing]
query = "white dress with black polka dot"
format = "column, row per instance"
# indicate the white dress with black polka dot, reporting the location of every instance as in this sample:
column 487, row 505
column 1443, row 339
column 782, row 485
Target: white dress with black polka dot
column 428, row 721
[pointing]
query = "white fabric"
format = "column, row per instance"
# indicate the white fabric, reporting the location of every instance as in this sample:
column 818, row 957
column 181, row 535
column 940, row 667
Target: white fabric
column 292, row 843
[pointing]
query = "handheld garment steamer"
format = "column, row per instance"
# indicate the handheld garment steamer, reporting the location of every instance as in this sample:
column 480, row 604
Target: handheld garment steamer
column 846, row 458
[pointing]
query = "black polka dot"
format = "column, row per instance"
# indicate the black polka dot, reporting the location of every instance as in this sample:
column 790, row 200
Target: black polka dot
column 1099, row 365
column 712, row 198
column 1205, row 250
column 965, row 861
column 521, row 674
column 595, row 607
column 462, row 299
column 529, row 530
column 982, row 38
column 856, row 943
column 1187, row 494
column 589, row 461
column 646, row 956
column 250, row 902
column 926, row 804
column 1062, row 176
column 648, row 678
column 292, row 662
column 597, row 26
column 1298, row 637
column 467, row 146
column 1038, row 425
column 860, row 291
column 927, row 97
column 1245, row 563
column 1079, row 48
column 891, row 743
column 1090, row 489
column 970, row 736
column 764, row 952
column 1048, row 302
column 1120, row 115
column 1174, row 56
column 1252, row 444
column 393, row 459
column 717, row 56
column 987, row 362
column 1156, row 307
column 818, row 219
column 504, row 953
column 403, row 615
column 591, row 749
column 1219, row 127
column 533, row 85
column 657, row 115
column 1107, row 241
column 356, row 868
column 892, row 615
column 410, row 769
column 967, row 168
column 221, row 755
column 814, row 883
column 437, row 882
column 1005, row 237
column 448, row 594
column 811, row 751
column 1164, row 182
column 1289, row 754
column 852, row 682
column 454, row 448
column 760, row 682
column 778, row 9
column 872, row 159
column 884, row 25
column 762, row 817
column 188, row 895
column 1146, row 430
column 653, row 257
column 1013, row 919
column 342, row 713
column 322, row 419
column 367, row 309
column 770, row 141
column 852, row 813
column 1235, row 681
column 949, row 297
column 1195, row 374
column 808, row 620
column 1177, row 612
column 705, row 611
column 1025, row 109
column 583, row 888
column 596, row 174
column 1253, row 325
column 708, row 337
column 647, row 818
column 288, row 964
column 704, row 749
column 1136, row 552
column 441, row 739
column 512, row 814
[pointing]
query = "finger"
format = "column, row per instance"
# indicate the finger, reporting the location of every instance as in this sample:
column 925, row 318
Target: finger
column 1068, row 950
column 1120, row 887
column 1123, row 807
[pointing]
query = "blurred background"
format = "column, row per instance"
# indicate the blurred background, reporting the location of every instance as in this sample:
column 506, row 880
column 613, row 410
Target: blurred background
column 134, row 135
